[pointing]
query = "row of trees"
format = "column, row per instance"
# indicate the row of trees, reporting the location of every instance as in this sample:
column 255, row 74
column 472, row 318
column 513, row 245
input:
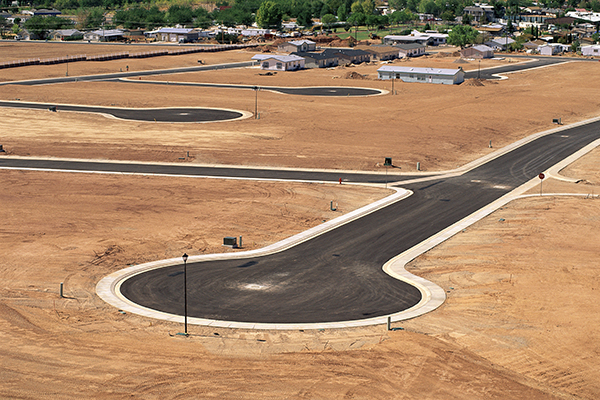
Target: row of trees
column 270, row 13
column 141, row 17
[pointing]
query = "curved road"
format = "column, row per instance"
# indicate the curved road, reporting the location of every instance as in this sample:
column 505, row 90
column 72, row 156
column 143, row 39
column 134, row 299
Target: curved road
column 140, row 114
column 300, row 91
column 338, row 276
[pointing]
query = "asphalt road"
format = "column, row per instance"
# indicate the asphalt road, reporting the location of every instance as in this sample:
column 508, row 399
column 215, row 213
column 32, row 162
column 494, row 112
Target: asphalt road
column 199, row 171
column 301, row 91
column 130, row 74
column 338, row 276
column 489, row 73
column 140, row 114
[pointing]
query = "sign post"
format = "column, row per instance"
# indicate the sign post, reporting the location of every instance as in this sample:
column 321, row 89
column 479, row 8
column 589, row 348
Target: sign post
column 541, row 176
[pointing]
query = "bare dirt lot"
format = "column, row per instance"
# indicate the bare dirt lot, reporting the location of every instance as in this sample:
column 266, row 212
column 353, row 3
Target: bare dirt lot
column 438, row 126
column 522, row 310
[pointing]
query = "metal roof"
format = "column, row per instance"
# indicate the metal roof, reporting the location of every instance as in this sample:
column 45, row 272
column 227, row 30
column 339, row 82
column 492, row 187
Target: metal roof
column 301, row 42
column 416, row 70
column 174, row 30
column 281, row 58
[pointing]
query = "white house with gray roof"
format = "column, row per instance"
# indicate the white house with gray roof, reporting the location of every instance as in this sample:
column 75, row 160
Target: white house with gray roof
column 275, row 62
column 427, row 75
column 297, row 46
column 592, row 50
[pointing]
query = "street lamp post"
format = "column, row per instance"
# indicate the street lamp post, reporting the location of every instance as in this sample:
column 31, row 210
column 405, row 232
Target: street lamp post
column 479, row 71
column 255, row 88
column 185, row 257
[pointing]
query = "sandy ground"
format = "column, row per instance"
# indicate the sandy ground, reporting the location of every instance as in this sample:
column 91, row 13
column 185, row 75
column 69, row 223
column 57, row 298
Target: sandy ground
column 519, row 321
column 438, row 126
column 522, row 310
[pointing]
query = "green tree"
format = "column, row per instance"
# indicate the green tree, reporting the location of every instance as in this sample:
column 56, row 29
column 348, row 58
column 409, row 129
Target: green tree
column 356, row 19
column 575, row 46
column 461, row 35
column 429, row 7
column 179, row 15
column 356, row 7
column 342, row 13
column 368, row 7
column 448, row 15
column 91, row 17
column 269, row 15
column 304, row 18
column 41, row 26
column 402, row 17
column 328, row 20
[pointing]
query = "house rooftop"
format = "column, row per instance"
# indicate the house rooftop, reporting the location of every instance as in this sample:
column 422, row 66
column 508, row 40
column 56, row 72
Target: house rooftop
column 282, row 58
column 301, row 42
column 417, row 70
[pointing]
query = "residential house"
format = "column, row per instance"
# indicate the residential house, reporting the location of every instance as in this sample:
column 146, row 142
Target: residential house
column 42, row 12
column 404, row 39
column 279, row 62
column 134, row 35
column 176, row 35
column 318, row 60
column 478, row 11
column 427, row 75
column 591, row 51
column 495, row 29
column 349, row 56
column 534, row 44
column 434, row 38
column 410, row 50
column 500, row 44
column 253, row 32
column 593, row 17
column 429, row 38
column 380, row 52
column 66, row 34
column 479, row 51
column 104, row 35
column 551, row 49
column 297, row 46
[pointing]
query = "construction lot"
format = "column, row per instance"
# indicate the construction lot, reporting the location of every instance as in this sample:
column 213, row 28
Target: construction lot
column 522, row 288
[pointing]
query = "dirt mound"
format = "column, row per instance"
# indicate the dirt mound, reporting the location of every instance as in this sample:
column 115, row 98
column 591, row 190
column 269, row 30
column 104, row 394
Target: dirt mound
column 460, row 61
column 474, row 82
column 355, row 75
column 324, row 39
column 442, row 54
column 341, row 43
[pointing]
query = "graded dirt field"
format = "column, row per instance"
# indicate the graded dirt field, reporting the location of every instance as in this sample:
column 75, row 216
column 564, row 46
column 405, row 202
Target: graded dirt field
column 522, row 284
column 520, row 319
column 438, row 126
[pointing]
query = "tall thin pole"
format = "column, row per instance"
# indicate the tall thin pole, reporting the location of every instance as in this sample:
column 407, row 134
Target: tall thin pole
column 185, row 257
column 256, row 102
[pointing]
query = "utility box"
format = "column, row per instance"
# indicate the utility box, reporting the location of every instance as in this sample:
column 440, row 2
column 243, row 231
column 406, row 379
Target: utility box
column 230, row 241
column 388, row 161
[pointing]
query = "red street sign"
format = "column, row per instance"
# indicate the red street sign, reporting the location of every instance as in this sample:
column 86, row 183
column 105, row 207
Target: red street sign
column 541, row 176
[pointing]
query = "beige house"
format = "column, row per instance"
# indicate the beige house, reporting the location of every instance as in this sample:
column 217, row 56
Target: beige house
column 301, row 46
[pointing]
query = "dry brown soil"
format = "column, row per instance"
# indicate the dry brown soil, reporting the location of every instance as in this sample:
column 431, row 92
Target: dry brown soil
column 519, row 323
column 439, row 126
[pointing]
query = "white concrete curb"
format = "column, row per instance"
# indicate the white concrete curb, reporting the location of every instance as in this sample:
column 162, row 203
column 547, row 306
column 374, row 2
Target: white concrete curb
column 108, row 287
column 433, row 296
